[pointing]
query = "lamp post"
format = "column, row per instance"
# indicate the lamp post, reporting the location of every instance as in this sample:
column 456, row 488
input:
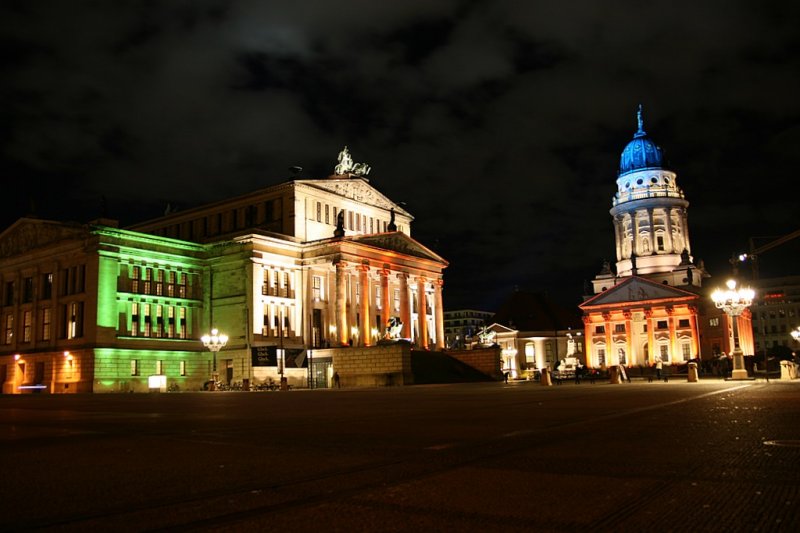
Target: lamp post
column 733, row 302
column 214, row 342
column 796, row 334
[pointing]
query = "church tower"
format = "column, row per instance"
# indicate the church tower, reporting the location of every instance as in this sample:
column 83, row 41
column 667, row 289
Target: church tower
column 649, row 213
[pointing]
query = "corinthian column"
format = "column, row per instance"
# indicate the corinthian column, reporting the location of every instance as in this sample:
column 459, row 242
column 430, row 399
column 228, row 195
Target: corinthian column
column 363, row 305
column 341, row 302
column 405, row 305
column 438, row 313
column 422, row 315
column 385, row 304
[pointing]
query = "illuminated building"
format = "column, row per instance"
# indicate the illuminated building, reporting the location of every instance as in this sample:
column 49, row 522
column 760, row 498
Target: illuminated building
column 653, row 305
column 776, row 312
column 460, row 326
column 300, row 266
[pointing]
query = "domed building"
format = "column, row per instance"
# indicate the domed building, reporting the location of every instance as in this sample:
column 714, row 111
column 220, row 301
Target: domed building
column 652, row 306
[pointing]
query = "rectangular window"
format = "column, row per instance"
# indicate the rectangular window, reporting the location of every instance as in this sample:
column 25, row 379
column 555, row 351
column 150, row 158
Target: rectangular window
column 683, row 323
column 27, row 290
column 135, row 277
column 661, row 324
column 75, row 320
column 171, row 284
column 27, row 323
column 327, row 214
column 713, row 321
column 350, row 220
column 134, row 367
column 159, row 282
column 159, row 329
column 148, row 278
column 182, row 324
column 148, row 325
column 660, row 243
column 183, row 368
column 397, row 300
column 181, row 285
column 371, row 225
column 285, row 288
column 378, row 298
column 601, row 356
column 9, row 294
column 170, row 322
column 134, row 319
column 46, row 319
column 664, row 352
column 9, row 336
column 159, row 367
column 686, row 349
column 319, row 212
column 619, row 328
column 47, row 286
column 600, row 329
column 316, row 288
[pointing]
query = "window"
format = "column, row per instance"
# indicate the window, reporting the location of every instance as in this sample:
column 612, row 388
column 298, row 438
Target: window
column 159, row 331
column 159, row 367
column 660, row 243
column 182, row 324
column 316, row 288
column 661, row 324
column 9, row 295
column 319, row 212
column 397, row 300
column 686, row 350
column 358, row 222
column 27, row 290
column 327, row 214
column 9, row 336
column 378, row 298
column 350, row 220
column 46, row 319
column 183, row 368
column 135, row 277
column 171, row 283
column 159, row 282
column 713, row 321
column 619, row 328
column 170, row 322
column 47, row 286
column 148, row 325
column 134, row 367
column 664, row 352
column 683, row 323
column 74, row 320
column 148, row 278
column 600, row 329
column 181, row 285
column 27, row 323
column 134, row 319
column 285, row 288
column 601, row 356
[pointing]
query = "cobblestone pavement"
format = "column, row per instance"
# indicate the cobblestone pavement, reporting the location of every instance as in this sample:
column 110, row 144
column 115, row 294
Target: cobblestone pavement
column 708, row 456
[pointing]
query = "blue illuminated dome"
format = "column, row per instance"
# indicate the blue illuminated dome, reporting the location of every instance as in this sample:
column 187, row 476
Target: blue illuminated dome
column 641, row 152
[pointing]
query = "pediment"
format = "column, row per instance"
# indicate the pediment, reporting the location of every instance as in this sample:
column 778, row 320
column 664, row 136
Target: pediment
column 398, row 241
column 28, row 234
column 356, row 189
column 636, row 289
column 500, row 328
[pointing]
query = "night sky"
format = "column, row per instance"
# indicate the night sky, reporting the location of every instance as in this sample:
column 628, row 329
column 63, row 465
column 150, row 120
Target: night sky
column 498, row 123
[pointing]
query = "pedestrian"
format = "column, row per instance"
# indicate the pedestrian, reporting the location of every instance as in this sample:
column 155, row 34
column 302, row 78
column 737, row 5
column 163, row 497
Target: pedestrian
column 578, row 372
column 336, row 380
column 505, row 377
column 659, row 366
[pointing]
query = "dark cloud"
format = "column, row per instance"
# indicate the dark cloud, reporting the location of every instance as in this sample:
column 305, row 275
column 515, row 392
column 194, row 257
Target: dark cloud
column 499, row 123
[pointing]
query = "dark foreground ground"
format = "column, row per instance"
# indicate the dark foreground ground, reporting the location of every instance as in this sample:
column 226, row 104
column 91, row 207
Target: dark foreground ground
column 709, row 456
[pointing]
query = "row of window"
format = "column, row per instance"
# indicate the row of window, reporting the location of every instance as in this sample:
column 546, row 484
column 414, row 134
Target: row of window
column 663, row 353
column 353, row 221
column 158, row 321
column 267, row 214
column 70, row 325
column 72, row 280
column 660, row 325
column 136, row 368
column 773, row 314
column 158, row 281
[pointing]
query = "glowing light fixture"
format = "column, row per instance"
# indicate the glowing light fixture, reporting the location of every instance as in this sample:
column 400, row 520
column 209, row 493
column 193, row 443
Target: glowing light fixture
column 734, row 302
column 214, row 342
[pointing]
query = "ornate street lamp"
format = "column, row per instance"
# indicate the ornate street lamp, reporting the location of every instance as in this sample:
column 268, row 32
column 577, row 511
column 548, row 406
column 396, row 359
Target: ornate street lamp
column 214, row 342
column 796, row 334
column 733, row 302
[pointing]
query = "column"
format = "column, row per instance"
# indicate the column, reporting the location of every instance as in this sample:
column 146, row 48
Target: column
column 685, row 231
column 363, row 306
column 422, row 315
column 619, row 234
column 341, row 303
column 635, row 229
column 589, row 343
column 386, row 305
column 651, row 338
column 673, row 348
column 628, row 340
column 668, row 230
column 609, row 340
column 652, row 231
column 695, row 336
column 405, row 305
column 438, row 313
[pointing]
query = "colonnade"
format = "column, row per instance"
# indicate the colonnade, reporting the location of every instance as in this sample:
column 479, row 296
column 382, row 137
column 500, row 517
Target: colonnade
column 632, row 240
column 364, row 301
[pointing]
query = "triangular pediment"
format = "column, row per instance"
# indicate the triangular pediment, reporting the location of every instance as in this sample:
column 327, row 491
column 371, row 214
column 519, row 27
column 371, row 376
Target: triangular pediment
column 637, row 290
column 356, row 189
column 398, row 241
column 29, row 233
column 500, row 328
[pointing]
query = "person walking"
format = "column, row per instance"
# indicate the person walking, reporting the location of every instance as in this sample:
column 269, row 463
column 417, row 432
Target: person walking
column 336, row 382
column 659, row 366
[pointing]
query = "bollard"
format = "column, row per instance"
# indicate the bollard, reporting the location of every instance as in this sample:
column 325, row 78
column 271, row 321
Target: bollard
column 613, row 375
column 692, row 376
column 546, row 379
